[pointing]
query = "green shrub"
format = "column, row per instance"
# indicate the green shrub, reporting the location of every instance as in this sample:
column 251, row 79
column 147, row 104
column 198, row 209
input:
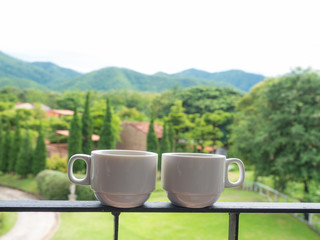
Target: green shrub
column 55, row 185
column 57, row 163
column 84, row 193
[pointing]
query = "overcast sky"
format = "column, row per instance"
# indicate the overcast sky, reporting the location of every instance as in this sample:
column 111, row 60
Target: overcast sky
column 261, row 36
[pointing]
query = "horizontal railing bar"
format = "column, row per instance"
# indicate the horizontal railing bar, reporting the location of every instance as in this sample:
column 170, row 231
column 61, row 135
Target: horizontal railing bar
column 154, row 207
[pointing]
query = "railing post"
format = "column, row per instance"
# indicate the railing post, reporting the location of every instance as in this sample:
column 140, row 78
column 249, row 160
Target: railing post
column 116, row 225
column 233, row 226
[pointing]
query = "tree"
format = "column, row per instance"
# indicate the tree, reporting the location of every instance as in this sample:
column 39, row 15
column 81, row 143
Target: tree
column 25, row 157
column 107, row 135
column 283, row 125
column 200, row 132
column 179, row 121
column 1, row 143
column 203, row 100
column 164, row 145
column 40, row 153
column 152, row 140
column 75, row 140
column 217, row 120
column 87, row 128
column 15, row 146
column 171, row 136
column 6, row 148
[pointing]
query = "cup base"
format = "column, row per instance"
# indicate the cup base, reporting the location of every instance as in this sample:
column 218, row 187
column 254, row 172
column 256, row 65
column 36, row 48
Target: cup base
column 192, row 200
column 122, row 200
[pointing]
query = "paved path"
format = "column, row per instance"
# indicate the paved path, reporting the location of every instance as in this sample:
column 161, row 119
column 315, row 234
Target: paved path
column 29, row 225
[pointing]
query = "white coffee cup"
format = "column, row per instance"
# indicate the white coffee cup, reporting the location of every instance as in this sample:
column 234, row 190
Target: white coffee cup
column 119, row 178
column 196, row 180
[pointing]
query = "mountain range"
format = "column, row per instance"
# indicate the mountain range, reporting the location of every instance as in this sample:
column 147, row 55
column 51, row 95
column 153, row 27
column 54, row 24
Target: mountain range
column 46, row 75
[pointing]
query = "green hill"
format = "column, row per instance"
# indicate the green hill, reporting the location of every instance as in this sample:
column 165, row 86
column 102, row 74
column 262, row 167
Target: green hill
column 121, row 78
column 45, row 74
column 20, row 83
column 42, row 75
column 238, row 78
column 59, row 74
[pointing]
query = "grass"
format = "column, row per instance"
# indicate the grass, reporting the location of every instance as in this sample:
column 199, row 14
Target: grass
column 172, row 225
column 27, row 184
column 7, row 221
column 182, row 225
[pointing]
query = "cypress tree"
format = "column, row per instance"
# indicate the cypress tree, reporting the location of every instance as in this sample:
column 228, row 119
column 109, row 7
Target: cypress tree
column 25, row 157
column 152, row 141
column 165, row 144
column 1, row 143
column 6, row 148
column 15, row 146
column 75, row 141
column 171, row 136
column 107, row 138
column 40, row 153
column 87, row 128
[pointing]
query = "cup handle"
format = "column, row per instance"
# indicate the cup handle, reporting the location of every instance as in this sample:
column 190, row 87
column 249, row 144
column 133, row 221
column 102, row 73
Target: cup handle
column 237, row 161
column 73, row 179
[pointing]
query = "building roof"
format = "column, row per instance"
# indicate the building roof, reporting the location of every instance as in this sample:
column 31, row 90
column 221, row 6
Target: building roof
column 62, row 112
column 26, row 105
column 144, row 127
column 95, row 137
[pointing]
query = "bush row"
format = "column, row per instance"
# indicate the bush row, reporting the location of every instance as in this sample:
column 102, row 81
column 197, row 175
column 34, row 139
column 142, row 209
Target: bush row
column 55, row 185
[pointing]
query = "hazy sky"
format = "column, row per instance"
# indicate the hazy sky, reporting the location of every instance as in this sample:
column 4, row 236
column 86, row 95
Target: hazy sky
column 260, row 36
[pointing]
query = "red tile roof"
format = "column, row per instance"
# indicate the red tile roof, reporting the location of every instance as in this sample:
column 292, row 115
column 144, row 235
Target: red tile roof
column 66, row 133
column 62, row 112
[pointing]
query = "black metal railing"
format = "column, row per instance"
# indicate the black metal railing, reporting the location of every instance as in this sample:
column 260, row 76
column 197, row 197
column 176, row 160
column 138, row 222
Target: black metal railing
column 233, row 208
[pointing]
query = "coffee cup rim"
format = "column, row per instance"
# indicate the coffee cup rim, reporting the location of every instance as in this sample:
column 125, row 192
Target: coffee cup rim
column 193, row 155
column 123, row 153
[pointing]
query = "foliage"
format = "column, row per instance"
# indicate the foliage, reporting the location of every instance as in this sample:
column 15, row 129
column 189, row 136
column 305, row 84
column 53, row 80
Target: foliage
column 107, row 134
column 40, row 153
column 25, row 156
column 54, row 125
column 161, row 103
column 15, row 146
column 84, row 192
column 129, row 99
column 200, row 131
column 1, row 143
column 87, row 128
column 6, row 148
column 131, row 114
column 164, row 145
column 279, row 120
column 219, row 121
column 208, row 99
column 71, row 100
column 179, row 121
column 75, row 141
column 57, row 163
column 152, row 140
column 171, row 136
column 53, row 185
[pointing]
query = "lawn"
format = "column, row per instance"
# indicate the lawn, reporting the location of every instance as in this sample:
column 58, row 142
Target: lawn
column 27, row 184
column 172, row 225
column 184, row 226
column 7, row 221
